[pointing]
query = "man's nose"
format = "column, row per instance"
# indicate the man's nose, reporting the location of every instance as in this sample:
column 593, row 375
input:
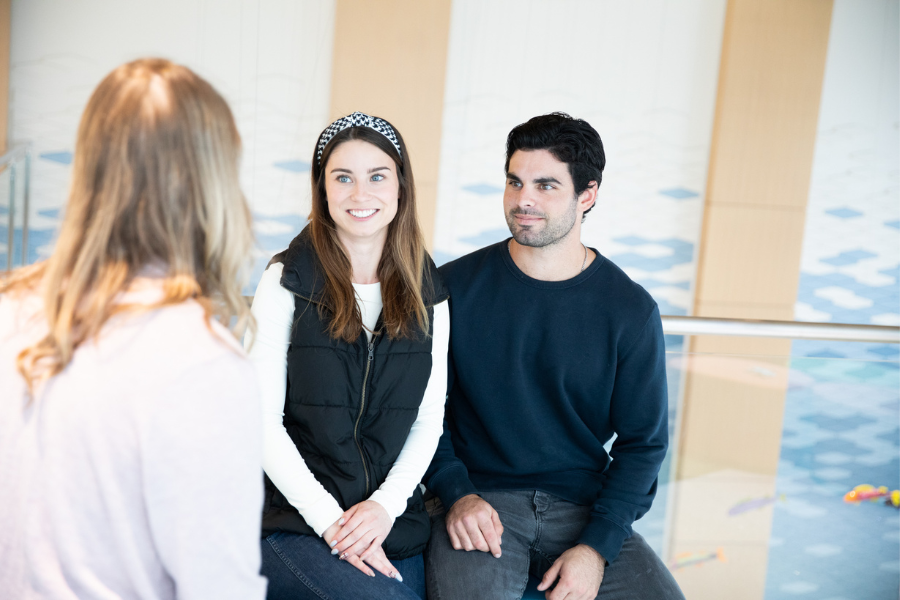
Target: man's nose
column 525, row 197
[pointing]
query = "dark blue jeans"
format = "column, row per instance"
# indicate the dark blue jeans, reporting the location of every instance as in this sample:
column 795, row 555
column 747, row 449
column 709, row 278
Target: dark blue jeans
column 301, row 567
column 537, row 528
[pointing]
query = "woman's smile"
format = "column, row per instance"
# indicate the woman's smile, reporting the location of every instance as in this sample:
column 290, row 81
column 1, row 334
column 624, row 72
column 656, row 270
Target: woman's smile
column 362, row 214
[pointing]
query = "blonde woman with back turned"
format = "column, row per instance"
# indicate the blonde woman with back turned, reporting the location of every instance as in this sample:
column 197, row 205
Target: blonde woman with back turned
column 130, row 443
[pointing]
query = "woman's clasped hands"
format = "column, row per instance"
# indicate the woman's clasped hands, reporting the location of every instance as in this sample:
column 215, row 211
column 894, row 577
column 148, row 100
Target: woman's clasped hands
column 357, row 537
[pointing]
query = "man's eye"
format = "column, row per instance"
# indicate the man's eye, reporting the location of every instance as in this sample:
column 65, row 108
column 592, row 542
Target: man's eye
column 377, row 177
column 343, row 179
column 515, row 184
column 546, row 186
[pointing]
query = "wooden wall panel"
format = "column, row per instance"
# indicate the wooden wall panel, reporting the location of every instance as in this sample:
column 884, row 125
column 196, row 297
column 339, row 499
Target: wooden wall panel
column 751, row 256
column 764, row 132
column 767, row 108
column 770, row 84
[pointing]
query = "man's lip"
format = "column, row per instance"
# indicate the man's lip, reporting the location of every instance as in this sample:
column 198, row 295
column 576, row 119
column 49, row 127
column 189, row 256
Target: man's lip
column 528, row 217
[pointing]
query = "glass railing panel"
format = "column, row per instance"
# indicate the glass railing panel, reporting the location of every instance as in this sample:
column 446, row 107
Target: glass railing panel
column 14, row 192
column 841, row 430
column 763, row 451
column 7, row 224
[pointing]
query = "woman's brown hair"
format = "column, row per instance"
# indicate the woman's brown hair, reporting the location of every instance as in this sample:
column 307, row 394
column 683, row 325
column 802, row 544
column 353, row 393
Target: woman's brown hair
column 154, row 185
column 401, row 270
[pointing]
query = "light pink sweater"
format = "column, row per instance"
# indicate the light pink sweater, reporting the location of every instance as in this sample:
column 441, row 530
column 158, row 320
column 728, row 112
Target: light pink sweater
column 136, row 472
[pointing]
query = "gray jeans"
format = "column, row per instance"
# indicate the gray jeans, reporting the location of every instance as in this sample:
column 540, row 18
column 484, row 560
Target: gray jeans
column 537, row 528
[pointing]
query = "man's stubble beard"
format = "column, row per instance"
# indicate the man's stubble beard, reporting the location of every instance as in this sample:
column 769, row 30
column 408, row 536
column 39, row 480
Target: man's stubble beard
column 553, row 232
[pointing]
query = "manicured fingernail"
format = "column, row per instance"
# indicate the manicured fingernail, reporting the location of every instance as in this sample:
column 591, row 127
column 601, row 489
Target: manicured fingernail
column 333, row 543
column 397, row 576
column 371, row 574
column 341, row 522
column 334, row 552
column 497, row 555
column 342, row 556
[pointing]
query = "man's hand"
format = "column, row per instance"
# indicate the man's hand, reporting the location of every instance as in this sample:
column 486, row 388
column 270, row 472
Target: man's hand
column 580, row 571
column 473, row 524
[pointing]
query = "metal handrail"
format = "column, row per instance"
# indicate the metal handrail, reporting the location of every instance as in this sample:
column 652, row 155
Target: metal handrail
column 10, row 161
column 797, row 330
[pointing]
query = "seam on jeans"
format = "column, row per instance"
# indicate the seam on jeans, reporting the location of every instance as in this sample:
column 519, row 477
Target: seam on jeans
column 539, row 527
column 521, row 591
column 431, row 589
column 297, row 573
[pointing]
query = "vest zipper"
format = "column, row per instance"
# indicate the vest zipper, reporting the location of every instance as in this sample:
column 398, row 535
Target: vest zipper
column 362, row 407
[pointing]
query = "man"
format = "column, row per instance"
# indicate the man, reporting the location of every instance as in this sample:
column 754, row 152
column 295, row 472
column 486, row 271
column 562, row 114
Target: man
column 553, row 349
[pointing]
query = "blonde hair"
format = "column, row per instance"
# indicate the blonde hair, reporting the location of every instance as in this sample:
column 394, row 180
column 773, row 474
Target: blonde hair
column 154, row 185
column 402, row 269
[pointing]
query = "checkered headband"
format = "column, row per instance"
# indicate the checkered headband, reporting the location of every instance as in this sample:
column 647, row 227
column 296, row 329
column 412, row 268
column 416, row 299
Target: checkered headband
column 357, row 119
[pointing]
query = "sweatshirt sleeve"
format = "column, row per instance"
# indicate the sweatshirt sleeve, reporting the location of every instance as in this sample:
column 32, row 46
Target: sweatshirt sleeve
column 639, row 416
column 423, row 437
column 273, row 309
column 447, row 477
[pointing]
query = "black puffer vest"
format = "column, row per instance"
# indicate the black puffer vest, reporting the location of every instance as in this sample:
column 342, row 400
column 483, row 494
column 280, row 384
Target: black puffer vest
column 350, row 407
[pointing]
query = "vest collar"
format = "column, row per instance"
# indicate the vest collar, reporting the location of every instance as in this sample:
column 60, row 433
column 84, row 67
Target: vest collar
column 303, row 274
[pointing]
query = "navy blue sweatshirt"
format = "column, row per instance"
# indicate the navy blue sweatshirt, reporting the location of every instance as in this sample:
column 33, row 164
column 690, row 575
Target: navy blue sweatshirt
column 542, row 373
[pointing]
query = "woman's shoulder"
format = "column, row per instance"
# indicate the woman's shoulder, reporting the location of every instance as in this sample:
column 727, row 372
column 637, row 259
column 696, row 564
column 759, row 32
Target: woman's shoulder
column 22, row 321
column 167, row 343
column 18, row 309
column 187, row 322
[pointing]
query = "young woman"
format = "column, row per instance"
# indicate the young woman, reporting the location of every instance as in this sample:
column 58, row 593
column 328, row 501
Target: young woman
column 351, row 352
column 130, row 443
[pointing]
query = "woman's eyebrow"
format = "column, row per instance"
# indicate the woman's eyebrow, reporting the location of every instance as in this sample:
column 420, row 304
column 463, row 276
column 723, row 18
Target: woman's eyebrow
column 341, row 170
column 379, row 169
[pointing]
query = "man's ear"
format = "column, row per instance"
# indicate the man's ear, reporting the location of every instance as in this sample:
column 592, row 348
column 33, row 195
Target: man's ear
column 588, row 197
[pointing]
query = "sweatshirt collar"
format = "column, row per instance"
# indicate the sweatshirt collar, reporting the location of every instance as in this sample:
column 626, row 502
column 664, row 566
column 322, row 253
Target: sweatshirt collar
column 548, row 285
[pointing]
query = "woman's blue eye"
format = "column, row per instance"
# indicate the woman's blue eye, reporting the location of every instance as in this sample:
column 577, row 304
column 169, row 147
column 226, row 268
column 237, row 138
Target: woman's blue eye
column 377, row 177
column 343, row 179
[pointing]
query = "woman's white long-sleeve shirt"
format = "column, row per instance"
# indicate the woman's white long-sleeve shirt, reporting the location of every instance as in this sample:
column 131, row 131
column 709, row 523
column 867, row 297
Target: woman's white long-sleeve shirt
column 273, row 308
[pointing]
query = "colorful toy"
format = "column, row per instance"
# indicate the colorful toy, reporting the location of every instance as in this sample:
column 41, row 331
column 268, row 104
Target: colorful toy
column 864, row 492
column 753, row 504
column 698, row 559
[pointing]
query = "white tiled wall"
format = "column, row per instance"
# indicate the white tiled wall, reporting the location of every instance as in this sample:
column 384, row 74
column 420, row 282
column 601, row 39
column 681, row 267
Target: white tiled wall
column 851, row 247
column 271, row 59
column 642, row 73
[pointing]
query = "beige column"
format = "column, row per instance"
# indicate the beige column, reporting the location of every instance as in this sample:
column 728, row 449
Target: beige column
column 770, row 85
column 5, row 20
column 390, row 60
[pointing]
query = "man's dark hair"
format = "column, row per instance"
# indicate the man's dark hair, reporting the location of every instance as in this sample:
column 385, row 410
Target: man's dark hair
column 569, row 140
